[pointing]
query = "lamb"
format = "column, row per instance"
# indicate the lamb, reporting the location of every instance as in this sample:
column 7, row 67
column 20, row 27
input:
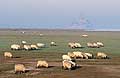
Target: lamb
column 66, row 57
column 8, row 54
column 19, row 68
column 42, row 64
column 15, row 47
column 68, row 64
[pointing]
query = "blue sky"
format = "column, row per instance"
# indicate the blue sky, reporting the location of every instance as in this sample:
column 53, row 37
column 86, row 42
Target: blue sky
column 102, row 14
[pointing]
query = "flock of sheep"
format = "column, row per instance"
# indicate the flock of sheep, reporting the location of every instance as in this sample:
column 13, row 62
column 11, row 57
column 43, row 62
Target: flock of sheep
column 25, row 46
column 69, row 60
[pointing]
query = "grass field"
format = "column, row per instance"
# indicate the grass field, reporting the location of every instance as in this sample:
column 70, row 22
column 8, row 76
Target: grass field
column 92, row 68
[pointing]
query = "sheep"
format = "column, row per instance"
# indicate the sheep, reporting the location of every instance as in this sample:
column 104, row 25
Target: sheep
column 15, row 47
column 77, row 45
column 53, row 44
column 19, row 68
column 100, row 44
column 84, row 56
column 84, row 35
column 78, row 54
column 74, row 45
column 71, row 54
column 102, row 55
column 27, row 47
column 71, row 45
column 66, row 57
column 33, row 47
column 23, row 42
column 95, row 45
column 8, row 54
column 42, row 64
column 68, row 64
column 41, row 45
column 89, row 55
column 90, row 45
column 41, row 34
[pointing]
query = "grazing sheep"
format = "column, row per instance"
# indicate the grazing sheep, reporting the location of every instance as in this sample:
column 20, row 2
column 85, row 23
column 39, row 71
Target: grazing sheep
column 100, row 44
column 15, row 47
column 77, row 45
column 85, row 56
column 74, row 45
column 19, row 68
column 71, row 54
column 71, row 45
column 33, row 47
column 90, row 45
column 95, row 45
column 102, row 55
column 27, row 47
column 66, row 57
column 41, row 34
column 41, row 45
column 8, row 54
column 23, row 42
column 84, row 35
column 89, row 55
column 53, row 44
column 42, row 64
column 68, row 64
column 78, row 54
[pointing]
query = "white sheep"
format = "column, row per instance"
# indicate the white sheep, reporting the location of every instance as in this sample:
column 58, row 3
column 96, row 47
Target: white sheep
column 8, row 54
column 100, row 44
column 53, row 44
column 95, row 45
column 71, row 45
column 23, row 42
column 84, row 35
column 90, row 45
column 78, row 54
column 27, row 47
column 41, row 45
column 67, row 64
column 42, row 64
column 71, row 54
column 77, row 45
column 33, row 47
column 101, row 55
column 66, row 57
column 19, row 68
column 15, row 47
column 89, row 55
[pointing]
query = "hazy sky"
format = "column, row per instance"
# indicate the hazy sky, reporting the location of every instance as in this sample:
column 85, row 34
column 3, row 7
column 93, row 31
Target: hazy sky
column 59, row 13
